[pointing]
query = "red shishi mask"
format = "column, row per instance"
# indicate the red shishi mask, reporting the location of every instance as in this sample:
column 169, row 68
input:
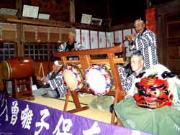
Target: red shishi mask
column 153, row 93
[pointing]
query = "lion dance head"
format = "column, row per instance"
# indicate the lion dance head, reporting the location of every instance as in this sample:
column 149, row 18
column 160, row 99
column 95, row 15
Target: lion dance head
column 155, row 90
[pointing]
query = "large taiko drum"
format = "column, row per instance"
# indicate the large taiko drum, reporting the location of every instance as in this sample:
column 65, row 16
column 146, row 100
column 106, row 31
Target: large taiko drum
column 17, row 68
column 99, row 79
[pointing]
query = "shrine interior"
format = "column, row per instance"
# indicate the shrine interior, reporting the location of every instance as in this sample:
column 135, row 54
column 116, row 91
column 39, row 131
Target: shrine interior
column 34, row 35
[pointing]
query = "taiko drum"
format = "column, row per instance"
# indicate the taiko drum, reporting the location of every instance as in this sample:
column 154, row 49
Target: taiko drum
column 17, row 68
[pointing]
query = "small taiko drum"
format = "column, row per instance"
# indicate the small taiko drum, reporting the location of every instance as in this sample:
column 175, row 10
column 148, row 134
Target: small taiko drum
column 72, row 77
column 99, row 79
column 17, row 68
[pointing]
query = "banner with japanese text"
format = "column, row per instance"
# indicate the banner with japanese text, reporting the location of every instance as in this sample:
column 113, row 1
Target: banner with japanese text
column 126, row 32
column 110, row 39
column 94, row 39
column 85, row 39
column 102, row 39
column 78, row 35
column 118, row 36
column 18, row 117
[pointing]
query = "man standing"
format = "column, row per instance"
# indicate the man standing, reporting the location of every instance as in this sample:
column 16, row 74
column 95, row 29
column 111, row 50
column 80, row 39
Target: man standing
column 145, row 41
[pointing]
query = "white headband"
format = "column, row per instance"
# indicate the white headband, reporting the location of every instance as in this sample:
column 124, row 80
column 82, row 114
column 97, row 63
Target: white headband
column 57, row 63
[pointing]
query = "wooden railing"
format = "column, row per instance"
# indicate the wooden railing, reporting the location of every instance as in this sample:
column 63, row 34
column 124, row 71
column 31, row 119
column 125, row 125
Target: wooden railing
column 86, row 58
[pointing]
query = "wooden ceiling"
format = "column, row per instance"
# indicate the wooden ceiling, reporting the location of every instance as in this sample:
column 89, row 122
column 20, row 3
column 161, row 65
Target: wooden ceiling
column 111, row 11
column 116, row 11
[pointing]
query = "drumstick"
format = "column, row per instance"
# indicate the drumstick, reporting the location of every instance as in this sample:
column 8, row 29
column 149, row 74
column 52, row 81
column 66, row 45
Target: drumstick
column 41, row 68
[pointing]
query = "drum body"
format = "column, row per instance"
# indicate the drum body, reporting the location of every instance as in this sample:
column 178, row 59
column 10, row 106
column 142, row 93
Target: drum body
column 99, row 79
column 72, row 77
column 17, row 68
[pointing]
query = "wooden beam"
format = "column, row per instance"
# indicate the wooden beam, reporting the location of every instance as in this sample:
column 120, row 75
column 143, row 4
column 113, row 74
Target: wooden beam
column 40, row 22
column 49, row 23
column 72, row 12
column 116, row 49
column 19, row 8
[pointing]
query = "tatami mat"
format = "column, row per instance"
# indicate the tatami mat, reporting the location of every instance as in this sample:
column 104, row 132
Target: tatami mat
column 93, row 113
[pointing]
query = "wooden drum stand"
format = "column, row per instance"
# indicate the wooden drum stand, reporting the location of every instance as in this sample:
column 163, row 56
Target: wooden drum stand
column 19, row 71
column 86, row 60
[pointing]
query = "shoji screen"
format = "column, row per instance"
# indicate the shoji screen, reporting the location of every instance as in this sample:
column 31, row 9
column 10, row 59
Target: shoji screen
column 94, row 39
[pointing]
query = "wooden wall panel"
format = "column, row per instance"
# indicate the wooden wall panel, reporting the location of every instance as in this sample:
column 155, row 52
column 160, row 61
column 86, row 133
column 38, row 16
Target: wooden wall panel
column 54, row 37
column 9, row 35
column 174, row 52
column 42, row 37
column 29, row 36
column 174, row 65
column 173, row 44
column 58, row 9
column 64, row 37
column 174, row 29
column 46, row 66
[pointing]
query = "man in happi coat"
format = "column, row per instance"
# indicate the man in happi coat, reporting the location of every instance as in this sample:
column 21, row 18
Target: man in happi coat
column 145, row 41
column 71, row 44
column 152, row 103
column 53, row 83
column 137, row 67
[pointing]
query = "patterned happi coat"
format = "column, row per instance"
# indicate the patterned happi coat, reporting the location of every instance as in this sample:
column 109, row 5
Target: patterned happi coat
column 146, row 43
column 127, row 82
column 57, row 83
column 66, row 47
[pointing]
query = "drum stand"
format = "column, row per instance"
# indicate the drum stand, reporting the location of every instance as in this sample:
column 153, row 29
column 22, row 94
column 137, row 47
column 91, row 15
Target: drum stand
column 21, row 88
column 76, row 102
column 85, row 60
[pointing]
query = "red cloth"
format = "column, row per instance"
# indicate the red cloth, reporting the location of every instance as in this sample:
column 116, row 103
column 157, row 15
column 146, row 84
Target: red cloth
column 151, row 19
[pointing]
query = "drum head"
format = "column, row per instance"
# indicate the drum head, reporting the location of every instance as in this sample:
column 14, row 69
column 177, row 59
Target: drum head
column 98, row 79
column 72, row 77
column 6, row 73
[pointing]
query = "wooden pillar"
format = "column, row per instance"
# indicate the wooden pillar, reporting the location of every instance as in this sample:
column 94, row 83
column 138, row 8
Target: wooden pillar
column 19, row 29
column 72, row 12
column 109, row 16
column 160, row 41
column 19, row 8
column 20, row 50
